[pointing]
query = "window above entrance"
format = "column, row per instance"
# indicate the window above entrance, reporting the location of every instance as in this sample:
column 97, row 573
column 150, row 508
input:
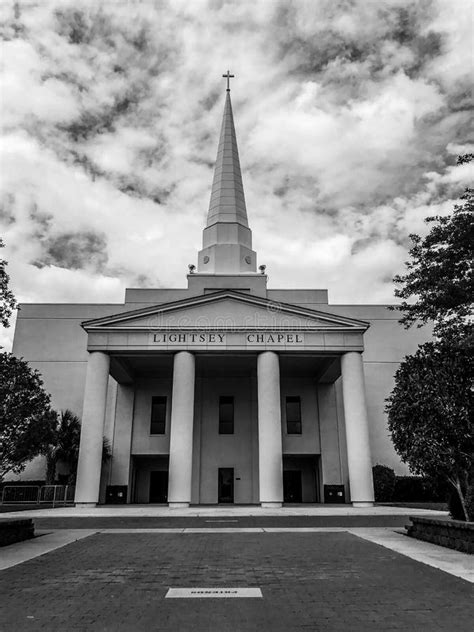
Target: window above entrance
column 226, row 414
column 293, row 415
column 158, row 415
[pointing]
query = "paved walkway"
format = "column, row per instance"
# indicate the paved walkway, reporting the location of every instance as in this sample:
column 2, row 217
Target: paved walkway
column 310, row 580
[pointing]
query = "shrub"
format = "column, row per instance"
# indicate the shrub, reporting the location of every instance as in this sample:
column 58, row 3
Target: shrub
column 384, row 483
column 409, row 489
column 419, row 489
column 436, row 490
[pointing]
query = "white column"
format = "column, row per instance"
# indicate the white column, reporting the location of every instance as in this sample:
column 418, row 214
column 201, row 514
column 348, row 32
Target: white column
column 269, row 430
column 92, row 430
column 120, row 466
column 181, row 434
column 357, row 430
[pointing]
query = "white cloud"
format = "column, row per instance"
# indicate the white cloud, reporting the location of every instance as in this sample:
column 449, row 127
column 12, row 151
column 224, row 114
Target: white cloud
column 348, row 116
column 29, row 90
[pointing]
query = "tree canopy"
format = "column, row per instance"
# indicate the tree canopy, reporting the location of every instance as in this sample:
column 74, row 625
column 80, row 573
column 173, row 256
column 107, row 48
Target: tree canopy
column 430, row 413
column 7, row 300
column 430, row 407
column 26, row 419
column 440, row 272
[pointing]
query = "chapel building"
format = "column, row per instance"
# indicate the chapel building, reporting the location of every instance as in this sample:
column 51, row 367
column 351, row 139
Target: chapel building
column 226, row 391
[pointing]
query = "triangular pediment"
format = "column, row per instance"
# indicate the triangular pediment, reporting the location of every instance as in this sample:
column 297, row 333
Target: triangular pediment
column 225, row 310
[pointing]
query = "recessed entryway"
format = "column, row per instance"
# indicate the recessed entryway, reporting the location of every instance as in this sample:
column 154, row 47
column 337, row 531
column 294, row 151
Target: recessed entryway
column 301, row 478
column 150, row 479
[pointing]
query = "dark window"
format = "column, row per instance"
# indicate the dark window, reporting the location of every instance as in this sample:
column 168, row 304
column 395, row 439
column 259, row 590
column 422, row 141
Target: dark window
column 293, row 415
column 158, row 415
column 226, row 415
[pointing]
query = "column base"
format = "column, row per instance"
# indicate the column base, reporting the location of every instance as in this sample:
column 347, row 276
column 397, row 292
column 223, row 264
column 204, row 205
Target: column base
column 85, row 505
column 270, row 505
column 178, row 505
column 358, row 503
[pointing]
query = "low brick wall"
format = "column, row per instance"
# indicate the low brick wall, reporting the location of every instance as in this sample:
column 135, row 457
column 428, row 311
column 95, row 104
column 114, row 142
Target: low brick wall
column 453, row 534
column 14, row 530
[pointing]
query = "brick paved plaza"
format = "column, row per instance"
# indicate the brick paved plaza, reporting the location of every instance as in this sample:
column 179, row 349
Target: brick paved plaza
column 309, row 581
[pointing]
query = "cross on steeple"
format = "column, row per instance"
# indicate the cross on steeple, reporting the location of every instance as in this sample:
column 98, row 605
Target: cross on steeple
column 228, row 77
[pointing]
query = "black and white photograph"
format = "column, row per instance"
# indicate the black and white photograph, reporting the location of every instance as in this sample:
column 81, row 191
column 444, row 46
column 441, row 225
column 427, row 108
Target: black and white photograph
column 236, row 315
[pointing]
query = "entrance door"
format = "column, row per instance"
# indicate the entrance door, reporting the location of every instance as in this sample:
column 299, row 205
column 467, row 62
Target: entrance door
column 226, row 485
column 292, row 489
column 159, row 487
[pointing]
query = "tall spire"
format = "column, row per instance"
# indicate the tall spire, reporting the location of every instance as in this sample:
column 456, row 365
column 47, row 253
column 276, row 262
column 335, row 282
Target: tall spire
column 227, row 196
column 227, row 239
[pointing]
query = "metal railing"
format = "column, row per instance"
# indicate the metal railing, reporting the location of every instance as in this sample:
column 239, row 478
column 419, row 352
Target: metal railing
column 35, row 494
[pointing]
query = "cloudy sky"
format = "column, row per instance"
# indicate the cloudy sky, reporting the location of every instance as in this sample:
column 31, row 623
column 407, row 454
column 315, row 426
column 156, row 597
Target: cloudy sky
column 350, row 115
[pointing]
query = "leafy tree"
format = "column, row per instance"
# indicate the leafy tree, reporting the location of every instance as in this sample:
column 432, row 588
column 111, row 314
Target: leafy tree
column 430, row 414
column 26, row 419
column 440, row 272
column 7, row 300
column 430, row 408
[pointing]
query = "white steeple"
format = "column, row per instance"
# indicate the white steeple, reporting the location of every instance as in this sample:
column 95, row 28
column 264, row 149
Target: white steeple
column 227, row 239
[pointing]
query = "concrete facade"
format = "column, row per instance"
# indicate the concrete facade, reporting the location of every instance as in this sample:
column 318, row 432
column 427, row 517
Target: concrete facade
column 226, row 390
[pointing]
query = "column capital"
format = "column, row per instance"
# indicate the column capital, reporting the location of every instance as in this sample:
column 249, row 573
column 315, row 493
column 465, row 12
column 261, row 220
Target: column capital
column 355, row 356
